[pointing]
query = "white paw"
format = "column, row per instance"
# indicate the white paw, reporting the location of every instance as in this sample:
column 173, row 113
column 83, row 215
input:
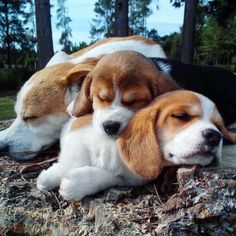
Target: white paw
column 45, row 181
column 69, row 190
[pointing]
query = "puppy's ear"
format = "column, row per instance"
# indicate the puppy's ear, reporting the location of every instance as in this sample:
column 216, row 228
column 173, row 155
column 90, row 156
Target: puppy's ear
column 138, row 144
column 231, row 136
column 77, row 74
column 163, row 83
column 83, row 102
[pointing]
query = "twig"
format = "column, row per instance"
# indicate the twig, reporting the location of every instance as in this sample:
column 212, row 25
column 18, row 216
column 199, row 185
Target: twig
column 35, row 166
column 158, row 197
column 58, row 202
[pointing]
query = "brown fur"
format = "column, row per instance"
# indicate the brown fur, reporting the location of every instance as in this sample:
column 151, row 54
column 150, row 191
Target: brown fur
column 150, row 128
column 56, row 79
column 81, row 122
column 138, row 145
column 217, row 119
column 48, row 89
column 114, row 39
column 126, row 71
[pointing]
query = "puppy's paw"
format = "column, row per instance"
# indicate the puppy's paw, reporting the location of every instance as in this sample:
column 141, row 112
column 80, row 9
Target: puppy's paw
column 70, row 189
column 45, row 181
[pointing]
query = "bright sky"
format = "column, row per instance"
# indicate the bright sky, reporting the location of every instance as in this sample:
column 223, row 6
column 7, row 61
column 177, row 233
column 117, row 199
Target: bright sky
column 165, row 20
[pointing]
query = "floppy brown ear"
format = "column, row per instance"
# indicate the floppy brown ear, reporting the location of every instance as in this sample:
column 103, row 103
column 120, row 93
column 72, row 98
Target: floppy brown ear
column 83, row 103
column 227, row 134
column 220, row 123
column 163, row 83
column 138, row 145
column 166, row 83
column 78, row 73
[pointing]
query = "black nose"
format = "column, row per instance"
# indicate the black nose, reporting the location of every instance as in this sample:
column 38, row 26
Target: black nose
column 111, row 127
column 212, row 137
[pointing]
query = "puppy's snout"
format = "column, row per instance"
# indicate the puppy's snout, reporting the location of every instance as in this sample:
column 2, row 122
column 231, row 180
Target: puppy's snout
column 111, row 127
column 212, row 137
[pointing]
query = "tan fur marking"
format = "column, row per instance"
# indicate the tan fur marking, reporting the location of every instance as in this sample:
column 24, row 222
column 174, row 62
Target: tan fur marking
column 218, row 121
column 138, row 145
column 114, row 39
column 81, row 122
column 152, row 126
column 49, row 86
column 125, row 70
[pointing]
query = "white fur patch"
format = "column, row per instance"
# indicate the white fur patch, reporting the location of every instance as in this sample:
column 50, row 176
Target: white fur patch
column 190, row 141
column 84, row 168
column 132, row 45
column 115, row 113
column 59, row 58
column 21, row 96
column 70, row 108
column 207, row 106
column 25, row 140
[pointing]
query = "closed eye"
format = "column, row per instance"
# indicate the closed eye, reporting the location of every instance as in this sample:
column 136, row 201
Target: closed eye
column 29, row 118
column 132, row 102
column 181, row 116
column 101, row 99
column 129, row 102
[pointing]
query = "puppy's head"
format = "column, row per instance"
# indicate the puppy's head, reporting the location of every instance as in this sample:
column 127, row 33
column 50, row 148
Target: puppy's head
column 41, row 109
column 120, row 83
column 179, row 127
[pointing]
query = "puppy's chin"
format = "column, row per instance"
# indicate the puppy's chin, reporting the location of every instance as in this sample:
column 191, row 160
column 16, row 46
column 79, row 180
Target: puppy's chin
column 195, row 158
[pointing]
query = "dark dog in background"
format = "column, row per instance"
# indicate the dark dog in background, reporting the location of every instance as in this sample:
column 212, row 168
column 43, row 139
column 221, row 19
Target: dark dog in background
column 216, row 83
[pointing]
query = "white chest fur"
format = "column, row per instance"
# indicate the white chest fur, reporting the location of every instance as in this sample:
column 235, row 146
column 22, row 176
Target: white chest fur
column 88, row 162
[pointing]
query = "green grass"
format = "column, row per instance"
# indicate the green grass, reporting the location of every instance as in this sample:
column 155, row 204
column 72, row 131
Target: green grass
column 7, row 108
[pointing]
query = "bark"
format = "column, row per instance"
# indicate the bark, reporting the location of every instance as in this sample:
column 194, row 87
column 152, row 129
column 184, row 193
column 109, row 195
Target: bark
column 8, row 41
column 121, row 18
column 44, row 32
column 187, row 51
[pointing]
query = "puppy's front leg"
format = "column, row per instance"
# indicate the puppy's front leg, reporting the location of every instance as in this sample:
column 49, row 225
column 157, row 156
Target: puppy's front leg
column 88, row 180
column 51, row 178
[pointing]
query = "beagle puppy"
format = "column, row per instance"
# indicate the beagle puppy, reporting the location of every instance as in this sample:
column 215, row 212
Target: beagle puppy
column 42, row 101
column 120, row 84
column 180, row 127
column 215, row 83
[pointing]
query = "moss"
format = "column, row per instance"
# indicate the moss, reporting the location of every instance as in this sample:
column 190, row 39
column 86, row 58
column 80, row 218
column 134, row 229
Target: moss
column 7, row 108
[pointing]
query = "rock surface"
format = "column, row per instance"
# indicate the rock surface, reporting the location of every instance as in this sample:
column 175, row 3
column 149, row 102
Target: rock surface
column 200, row 201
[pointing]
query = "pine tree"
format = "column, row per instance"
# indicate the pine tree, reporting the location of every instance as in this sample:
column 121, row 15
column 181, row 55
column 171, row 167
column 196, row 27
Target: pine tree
column 13, row 31
column 121, row 18
column 188, row 34
column 139, row 11
column 104, row 22
column 44, row 32
column 63, row 23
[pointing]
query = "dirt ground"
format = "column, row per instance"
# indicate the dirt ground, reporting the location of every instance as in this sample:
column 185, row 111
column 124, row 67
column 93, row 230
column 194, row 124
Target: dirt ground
column 197, row 201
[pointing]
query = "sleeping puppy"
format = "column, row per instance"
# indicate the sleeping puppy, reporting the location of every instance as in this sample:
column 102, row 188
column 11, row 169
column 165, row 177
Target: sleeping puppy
column 120, row 83
column 180, row 127
column 216, row 83
column 42, row 101
column 41, row 109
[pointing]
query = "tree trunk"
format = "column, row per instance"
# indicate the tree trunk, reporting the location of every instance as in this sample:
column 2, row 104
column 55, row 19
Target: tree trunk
column 121, row 18
column 187, row 50
column 44, row 32
column 8, row 40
